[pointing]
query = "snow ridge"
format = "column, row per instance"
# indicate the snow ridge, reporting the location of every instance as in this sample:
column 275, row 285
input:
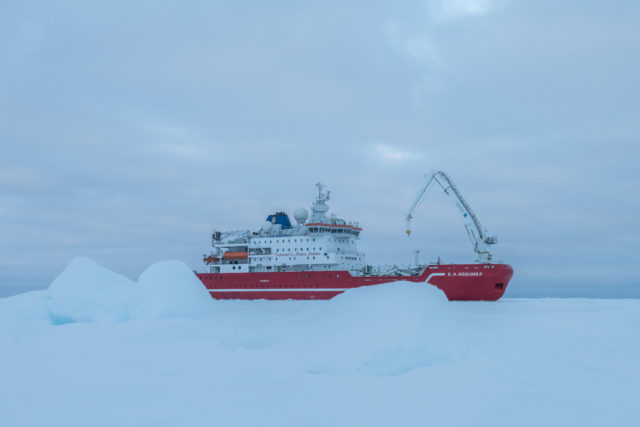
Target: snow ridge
column 90, row 293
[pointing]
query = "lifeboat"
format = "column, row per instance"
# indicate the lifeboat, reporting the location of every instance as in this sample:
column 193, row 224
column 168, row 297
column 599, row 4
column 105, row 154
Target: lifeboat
column 235, row 255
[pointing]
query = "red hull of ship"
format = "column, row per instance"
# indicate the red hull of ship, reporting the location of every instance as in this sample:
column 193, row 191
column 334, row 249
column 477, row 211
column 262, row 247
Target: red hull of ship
column 459, row 282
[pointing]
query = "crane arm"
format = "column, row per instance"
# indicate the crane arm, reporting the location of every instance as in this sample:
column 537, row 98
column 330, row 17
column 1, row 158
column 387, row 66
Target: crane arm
column 478, row 235
column 419, row 198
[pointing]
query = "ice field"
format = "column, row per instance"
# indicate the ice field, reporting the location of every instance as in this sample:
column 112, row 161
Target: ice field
column 97, row 349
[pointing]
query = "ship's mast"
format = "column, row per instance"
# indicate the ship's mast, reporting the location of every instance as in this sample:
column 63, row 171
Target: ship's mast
column 319, row 207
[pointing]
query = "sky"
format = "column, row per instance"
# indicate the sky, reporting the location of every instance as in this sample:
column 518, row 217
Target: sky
column 129, row 130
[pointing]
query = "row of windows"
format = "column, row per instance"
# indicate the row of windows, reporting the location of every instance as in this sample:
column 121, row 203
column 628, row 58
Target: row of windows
column 291, row 258
column 269, row 241
column 295, row 249
column 269, row 258
column 334, row 230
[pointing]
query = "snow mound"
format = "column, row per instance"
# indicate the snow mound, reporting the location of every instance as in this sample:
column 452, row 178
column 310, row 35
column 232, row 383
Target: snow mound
column 170, row 289
column 88, row 292
column 385, row 329
column 27, row 307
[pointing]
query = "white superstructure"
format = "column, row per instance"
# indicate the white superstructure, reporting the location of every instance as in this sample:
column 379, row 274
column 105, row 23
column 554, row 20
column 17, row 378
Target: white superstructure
column 317, row 243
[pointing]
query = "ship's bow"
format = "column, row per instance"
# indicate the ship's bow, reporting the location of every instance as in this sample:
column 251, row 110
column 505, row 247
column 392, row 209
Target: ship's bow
column 471, row 282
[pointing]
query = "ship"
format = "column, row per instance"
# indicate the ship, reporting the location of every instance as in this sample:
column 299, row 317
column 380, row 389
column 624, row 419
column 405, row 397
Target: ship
column 318, row 258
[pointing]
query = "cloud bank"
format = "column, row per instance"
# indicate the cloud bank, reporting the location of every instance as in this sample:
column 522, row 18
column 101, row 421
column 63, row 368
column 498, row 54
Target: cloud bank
column 128, row 131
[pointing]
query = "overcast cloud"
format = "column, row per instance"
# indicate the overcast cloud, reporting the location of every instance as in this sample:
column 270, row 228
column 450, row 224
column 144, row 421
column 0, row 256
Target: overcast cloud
column 128, row 131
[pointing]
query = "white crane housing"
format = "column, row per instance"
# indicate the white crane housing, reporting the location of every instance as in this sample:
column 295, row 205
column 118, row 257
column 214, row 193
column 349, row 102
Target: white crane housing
column 479, row 237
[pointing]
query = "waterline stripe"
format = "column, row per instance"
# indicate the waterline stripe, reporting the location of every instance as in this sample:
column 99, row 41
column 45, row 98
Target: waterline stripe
column 306, row 289
column 281, row 290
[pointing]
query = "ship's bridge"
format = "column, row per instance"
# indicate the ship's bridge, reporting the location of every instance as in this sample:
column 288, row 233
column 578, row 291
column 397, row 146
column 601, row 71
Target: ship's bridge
column 339, row 230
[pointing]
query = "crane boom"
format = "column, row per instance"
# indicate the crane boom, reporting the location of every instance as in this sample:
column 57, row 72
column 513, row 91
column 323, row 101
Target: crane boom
column 477, row 234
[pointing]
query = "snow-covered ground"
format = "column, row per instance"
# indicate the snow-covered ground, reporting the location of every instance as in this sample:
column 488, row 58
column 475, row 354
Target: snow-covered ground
column 96, row 349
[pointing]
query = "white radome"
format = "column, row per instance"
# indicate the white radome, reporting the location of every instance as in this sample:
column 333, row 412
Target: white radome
column 267, row 226
column 301, row 215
